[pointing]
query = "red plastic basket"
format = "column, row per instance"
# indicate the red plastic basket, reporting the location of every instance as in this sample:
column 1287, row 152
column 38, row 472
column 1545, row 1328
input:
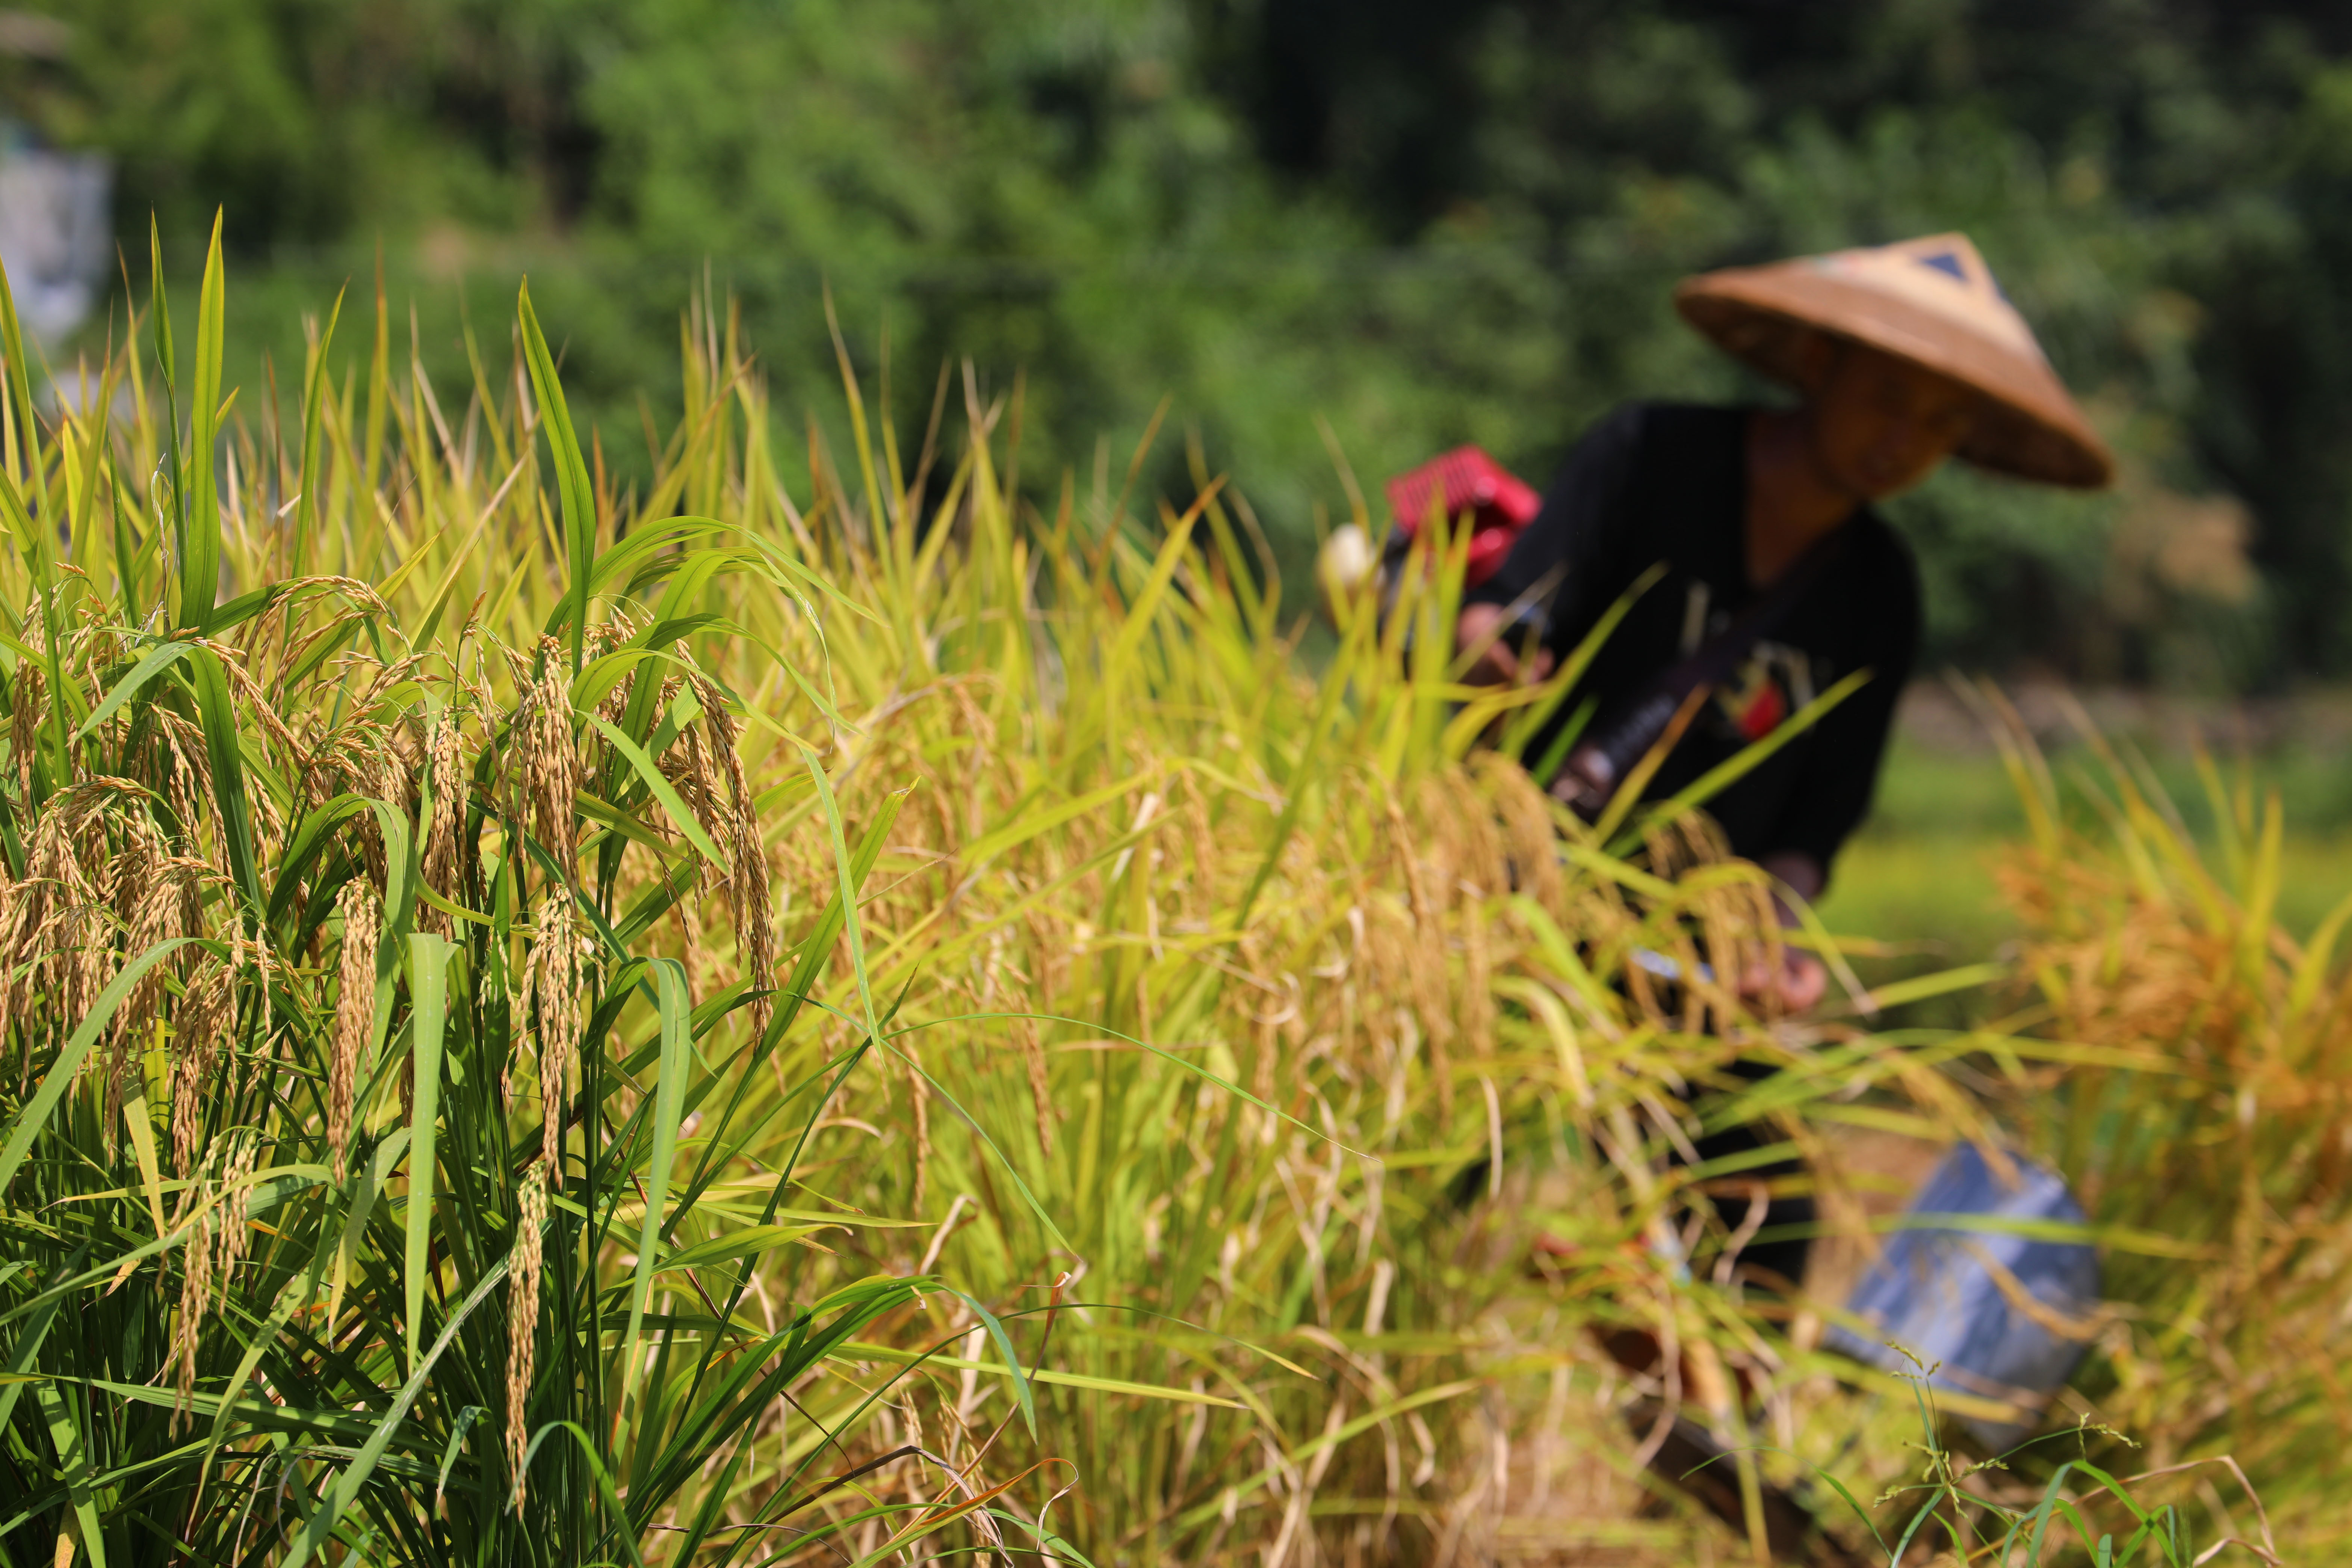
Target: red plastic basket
column 1467, row 480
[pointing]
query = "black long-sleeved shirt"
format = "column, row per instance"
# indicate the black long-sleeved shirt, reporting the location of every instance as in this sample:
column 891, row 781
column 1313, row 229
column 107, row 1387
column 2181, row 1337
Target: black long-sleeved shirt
column 1663, row 483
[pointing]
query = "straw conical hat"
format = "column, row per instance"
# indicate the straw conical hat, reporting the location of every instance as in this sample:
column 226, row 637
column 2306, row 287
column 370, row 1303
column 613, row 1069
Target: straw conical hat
column 1932, row 301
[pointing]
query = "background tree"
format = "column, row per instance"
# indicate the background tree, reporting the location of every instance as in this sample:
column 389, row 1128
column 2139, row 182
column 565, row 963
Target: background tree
column 1427, row 225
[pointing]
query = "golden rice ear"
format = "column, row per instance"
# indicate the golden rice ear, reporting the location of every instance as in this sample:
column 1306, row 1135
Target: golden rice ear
column 198, row 1026
column 688, row 912
column 244, row 949
column 522, row 1316
column 545, row 782
column 556, row 992
column 187, row 772
column 26, row 714
column 212, row 1244
column 51, row 940
column 237, row 1201
column 687, row 765
column 1041, row 1093
column 1527, row 842
column 1202, row 891
column 1420, row 956
column 354, row 1023
column 1477, row 979
column 195, row 1295
column 443, row 867
column 750, row 895
column 122, row 879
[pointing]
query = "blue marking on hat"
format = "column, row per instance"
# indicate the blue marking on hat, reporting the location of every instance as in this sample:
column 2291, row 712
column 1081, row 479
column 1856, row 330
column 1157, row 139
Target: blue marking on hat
column 1945, row 261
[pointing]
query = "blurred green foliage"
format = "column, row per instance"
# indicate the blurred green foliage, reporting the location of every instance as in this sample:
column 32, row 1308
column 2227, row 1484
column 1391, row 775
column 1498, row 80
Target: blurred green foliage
column 1425, row 223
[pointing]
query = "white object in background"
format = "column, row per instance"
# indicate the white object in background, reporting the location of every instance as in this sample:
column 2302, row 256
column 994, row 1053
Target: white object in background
column 1345, row 562
column 55, row 228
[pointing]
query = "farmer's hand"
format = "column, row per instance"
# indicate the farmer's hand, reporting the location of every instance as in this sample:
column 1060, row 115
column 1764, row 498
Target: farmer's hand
column 1500, row 663
column 1802, row 979
column 1800, row 982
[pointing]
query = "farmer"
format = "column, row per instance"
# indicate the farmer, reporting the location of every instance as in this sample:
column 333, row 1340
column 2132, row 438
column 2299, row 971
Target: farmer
column 1779, row 579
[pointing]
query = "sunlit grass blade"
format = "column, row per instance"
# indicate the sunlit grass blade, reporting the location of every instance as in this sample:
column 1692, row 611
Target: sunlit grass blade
column 201, row 563
column 314, row 437
column 428, row 969
column 573, row 489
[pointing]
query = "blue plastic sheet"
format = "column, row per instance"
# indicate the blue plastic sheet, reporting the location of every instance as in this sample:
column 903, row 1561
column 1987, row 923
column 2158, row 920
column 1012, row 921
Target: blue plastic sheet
column 1937, row 1290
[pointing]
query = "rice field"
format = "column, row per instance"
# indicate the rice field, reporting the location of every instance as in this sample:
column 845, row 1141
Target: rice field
column 1921, row 872
column 889, row 1019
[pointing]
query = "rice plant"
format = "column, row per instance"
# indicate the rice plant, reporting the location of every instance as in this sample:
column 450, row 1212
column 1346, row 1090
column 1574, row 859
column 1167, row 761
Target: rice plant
column 721, row 1025
column 2202, row 1118
column 359, row 1143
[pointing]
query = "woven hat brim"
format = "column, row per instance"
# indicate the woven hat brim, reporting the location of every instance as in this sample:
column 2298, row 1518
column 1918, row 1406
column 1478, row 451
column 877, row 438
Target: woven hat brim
column 2032, row 427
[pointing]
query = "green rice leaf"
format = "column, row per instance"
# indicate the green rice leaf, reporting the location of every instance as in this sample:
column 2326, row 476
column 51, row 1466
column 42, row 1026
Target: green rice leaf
column 750, row 1241
column 19, row 370
column 353, row 1232
column 592, row 1457
column 661, row 788
column 200, row 566
column 1012, row 1361
column 675, row 1009
column 245, row 606
column 24, row 1356
column 428, row 969
column 844, row 891
column 1047, row 1376
column 606, row 815
column 312, row 836
column 225, row 755
column 355, row 1475
column 128, row 686
column 577, row 499
column 28, row 1122
column 66, row 1422
column 1013, row 834
column 458, row 1431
